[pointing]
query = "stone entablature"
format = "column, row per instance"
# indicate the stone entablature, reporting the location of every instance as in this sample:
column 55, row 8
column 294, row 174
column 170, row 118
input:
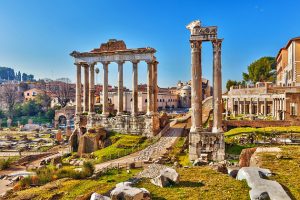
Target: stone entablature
column 127, row 124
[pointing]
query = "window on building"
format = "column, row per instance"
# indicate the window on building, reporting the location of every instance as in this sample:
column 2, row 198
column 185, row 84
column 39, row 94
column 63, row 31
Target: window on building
column 28, row 94
column 145, row 100
column 293, row 108
column 33, row 93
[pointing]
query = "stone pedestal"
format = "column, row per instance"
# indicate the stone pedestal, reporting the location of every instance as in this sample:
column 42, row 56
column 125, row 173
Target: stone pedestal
column 208, row 145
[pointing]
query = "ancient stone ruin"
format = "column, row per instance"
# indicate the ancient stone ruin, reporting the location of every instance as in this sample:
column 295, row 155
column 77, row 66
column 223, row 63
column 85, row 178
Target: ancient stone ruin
column 134, row 123
column 203, row 144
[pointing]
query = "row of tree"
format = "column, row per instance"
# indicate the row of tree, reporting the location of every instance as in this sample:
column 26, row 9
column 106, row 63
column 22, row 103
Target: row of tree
column 7, row 73
column 261, row 70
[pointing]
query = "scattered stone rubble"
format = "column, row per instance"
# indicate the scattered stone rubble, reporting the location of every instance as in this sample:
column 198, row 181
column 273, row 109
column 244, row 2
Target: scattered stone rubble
column 124, row 191
column 160, row 175
column 261, row 189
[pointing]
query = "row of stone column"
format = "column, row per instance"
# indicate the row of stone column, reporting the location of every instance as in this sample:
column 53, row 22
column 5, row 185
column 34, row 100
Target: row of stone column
column 89, row 88
column 196, row 80
column 278, row 104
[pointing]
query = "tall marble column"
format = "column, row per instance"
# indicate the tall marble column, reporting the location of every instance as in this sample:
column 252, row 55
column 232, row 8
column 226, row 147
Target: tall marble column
column 92, row 88
column 217, row 87
column 257, row 111
column 250, row 107
column 232, row 106
column 244, row 106
column 265, row 107
column 86, row 89
column 134, row 105
column 120, row 88
column 78, row 88
column 238, row 106
column 149, row 87
column 227, row 107
column 105, row 111
column 155, row 87
column 196, row 74
column 283, row 108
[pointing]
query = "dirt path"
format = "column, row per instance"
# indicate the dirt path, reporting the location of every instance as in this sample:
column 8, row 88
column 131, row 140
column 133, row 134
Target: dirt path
column 152, row 152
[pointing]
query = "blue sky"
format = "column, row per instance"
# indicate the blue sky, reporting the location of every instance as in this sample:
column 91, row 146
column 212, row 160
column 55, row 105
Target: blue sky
column 37, row 36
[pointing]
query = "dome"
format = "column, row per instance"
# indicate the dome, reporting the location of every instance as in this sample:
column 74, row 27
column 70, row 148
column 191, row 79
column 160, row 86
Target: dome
column 186, row 87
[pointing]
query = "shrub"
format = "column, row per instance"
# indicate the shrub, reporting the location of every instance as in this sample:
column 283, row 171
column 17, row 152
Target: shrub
column 5, row 163
column 88, row 168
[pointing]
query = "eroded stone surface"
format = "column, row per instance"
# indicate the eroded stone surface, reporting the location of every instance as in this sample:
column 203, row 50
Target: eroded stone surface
column 260, row 186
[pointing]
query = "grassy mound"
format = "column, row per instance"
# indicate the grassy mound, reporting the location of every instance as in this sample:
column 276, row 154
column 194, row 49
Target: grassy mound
column 70, row 189
column 200, row 183
column 122, row 145
column 267, row 130
column 286, row 169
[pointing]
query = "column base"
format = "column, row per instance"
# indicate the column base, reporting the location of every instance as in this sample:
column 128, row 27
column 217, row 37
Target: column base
column 206, row 146
column 217, row 130
column 120, row 113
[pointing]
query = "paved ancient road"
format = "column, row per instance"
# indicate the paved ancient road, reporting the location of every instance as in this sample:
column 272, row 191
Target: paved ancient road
column 152, row 152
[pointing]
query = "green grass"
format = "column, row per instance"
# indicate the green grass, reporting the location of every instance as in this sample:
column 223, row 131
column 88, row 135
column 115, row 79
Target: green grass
column 70, row 188
column 181, row 155
column 267, row 130
column 236, row 149
column 287, row 170
column 122, row 145
column 199, row 183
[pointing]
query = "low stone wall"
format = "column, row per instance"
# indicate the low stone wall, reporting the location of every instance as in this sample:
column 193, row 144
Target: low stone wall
column 258, row 123
column 31, row 158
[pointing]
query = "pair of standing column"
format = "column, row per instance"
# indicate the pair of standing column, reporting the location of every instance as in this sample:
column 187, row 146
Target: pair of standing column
column 196, row 74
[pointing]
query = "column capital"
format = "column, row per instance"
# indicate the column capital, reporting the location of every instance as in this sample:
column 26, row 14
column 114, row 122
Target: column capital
column 217, row 44
column 150, row 61
column 120, row 62
column 105, row 62
column 135, row 61
column 196, row 44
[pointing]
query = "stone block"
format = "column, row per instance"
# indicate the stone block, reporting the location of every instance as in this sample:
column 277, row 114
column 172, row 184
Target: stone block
column 261, row 188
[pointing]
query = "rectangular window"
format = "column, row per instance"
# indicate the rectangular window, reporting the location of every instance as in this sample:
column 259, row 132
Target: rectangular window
column 293, row 108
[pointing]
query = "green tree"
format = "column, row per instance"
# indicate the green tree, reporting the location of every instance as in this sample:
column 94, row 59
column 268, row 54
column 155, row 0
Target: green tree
column 234, row 83
column 31, row 108
column 261, row 70
column 44, row 100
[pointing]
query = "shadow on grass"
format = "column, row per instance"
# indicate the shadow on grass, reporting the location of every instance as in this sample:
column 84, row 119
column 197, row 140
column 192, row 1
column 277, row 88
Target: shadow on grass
column 288, row 192
column 188, row 184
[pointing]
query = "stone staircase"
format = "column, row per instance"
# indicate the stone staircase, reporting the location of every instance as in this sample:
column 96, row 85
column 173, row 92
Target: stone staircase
column 207, row 107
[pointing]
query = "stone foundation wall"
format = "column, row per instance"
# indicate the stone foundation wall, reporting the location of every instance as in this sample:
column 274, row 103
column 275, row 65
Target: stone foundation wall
column 206, row 146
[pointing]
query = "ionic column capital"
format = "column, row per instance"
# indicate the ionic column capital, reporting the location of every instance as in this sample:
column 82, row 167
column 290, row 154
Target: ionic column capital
column 105, row 62
column 120, row 62
column 135, row 61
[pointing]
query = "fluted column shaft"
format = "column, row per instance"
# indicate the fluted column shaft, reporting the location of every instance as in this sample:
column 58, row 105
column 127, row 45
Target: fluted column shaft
column 86, row 89
column 196, row 75
column 92, row 89
column 155, row 87
column 105, row 89
column 150, row 87
column 78, row 88
column 120, row 87
column 134, row 105
column 217, row 87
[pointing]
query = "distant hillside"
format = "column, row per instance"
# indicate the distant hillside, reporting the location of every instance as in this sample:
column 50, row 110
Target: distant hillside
column 7, row 73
